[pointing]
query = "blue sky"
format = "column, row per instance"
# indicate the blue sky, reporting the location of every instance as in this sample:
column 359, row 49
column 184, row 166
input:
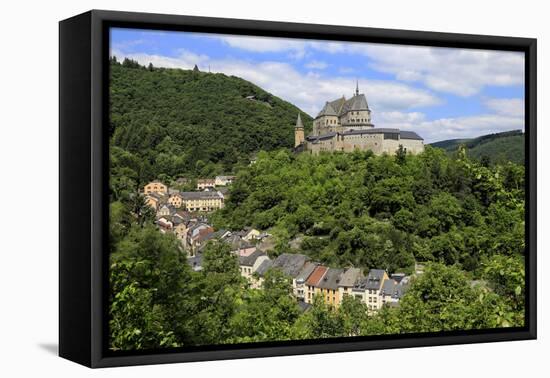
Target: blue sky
column 440, row 93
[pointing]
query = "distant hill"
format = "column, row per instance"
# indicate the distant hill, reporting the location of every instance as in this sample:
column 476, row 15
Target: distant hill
column 187, row 122
column 506, row 146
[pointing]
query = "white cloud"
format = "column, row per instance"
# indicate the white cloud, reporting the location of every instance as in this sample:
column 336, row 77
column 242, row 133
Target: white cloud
column 309, row 92
column 448, row 128
column 514, row 107
column 316, row 65
column 468, row 127
column 463, row 72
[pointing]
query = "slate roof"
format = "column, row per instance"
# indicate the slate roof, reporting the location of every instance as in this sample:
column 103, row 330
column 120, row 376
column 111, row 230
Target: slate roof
column 341, row 106
column 176, row 219
column 299, row 122
column 394, row 289
column 359, row 103
column 251, row 259
column 290, row 264
column 328, row 110
column 410, row 135
column 236, row 242
column 200, row 195
column 331, row 279
column 338, row 104
column 400, row 290
column 213, row 235
column 374, row 279
column 388, row 287
column 317, row 138
column 264, row 267
column 350, row 277
column 372, row 282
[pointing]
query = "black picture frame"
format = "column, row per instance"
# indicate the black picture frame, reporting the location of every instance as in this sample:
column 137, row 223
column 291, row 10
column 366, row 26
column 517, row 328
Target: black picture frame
column 83, row 179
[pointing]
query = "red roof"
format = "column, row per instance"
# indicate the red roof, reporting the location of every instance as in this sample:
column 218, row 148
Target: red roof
column 317, row 275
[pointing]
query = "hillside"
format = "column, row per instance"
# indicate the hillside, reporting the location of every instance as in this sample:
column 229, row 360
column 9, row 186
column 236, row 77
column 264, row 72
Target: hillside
column 184, row 122
column 506, row 146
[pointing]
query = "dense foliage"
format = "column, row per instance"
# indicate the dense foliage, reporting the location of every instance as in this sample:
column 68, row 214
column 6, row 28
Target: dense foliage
column 383, row 212
column 492, row 148
column 166, row 123
column 462, row 220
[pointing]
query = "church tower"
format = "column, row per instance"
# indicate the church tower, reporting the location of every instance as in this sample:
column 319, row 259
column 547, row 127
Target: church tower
column 298, row 132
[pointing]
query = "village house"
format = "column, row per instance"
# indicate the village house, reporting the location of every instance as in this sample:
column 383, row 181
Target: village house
column 175, row 200
column 393, row 289
column 257, row 279
column 311, row 285
column 202, row 201
column 155, row 187
column 368, row 289
column 328, row 287
column 214, row 236
column 166, row 210
column 196, row 236
column 249, row 234
column 164, row 225
column 205, row 183
column 153, row 200
column 223, row 180
column 180, row 230
column 237, row 244
column 291, row 265
column 301, row 278
column 248, row 263
column 350, row 277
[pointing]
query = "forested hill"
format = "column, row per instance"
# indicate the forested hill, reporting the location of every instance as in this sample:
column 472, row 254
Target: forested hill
column 496, row 148
column 186, row 122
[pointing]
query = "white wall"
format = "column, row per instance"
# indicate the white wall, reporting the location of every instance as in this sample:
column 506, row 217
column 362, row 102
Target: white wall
column 29, row 132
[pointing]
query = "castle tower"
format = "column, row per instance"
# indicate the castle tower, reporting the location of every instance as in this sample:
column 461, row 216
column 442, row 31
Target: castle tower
column 298, row 132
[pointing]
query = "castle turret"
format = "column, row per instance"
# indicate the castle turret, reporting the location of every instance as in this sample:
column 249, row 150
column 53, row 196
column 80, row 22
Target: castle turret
column 298, row 132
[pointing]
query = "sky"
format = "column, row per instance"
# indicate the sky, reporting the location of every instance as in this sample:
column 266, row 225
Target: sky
column 440, row 93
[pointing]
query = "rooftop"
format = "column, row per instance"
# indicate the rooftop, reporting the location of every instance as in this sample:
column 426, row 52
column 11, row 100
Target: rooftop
column 331, row 279
column 306, row 271
column 200, row 195
column 317, row 275
column 264, row 267
column 290, row 264
column 350, row 277
column 249, row 260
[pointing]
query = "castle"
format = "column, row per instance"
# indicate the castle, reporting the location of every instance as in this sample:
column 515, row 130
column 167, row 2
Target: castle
column 345, row 125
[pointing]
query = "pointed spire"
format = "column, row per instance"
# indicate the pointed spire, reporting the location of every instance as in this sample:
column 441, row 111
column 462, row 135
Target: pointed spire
column 357, row 87
column 299, row 122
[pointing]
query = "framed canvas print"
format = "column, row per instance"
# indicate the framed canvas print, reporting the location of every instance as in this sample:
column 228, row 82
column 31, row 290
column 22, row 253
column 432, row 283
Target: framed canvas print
column 234, row 188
